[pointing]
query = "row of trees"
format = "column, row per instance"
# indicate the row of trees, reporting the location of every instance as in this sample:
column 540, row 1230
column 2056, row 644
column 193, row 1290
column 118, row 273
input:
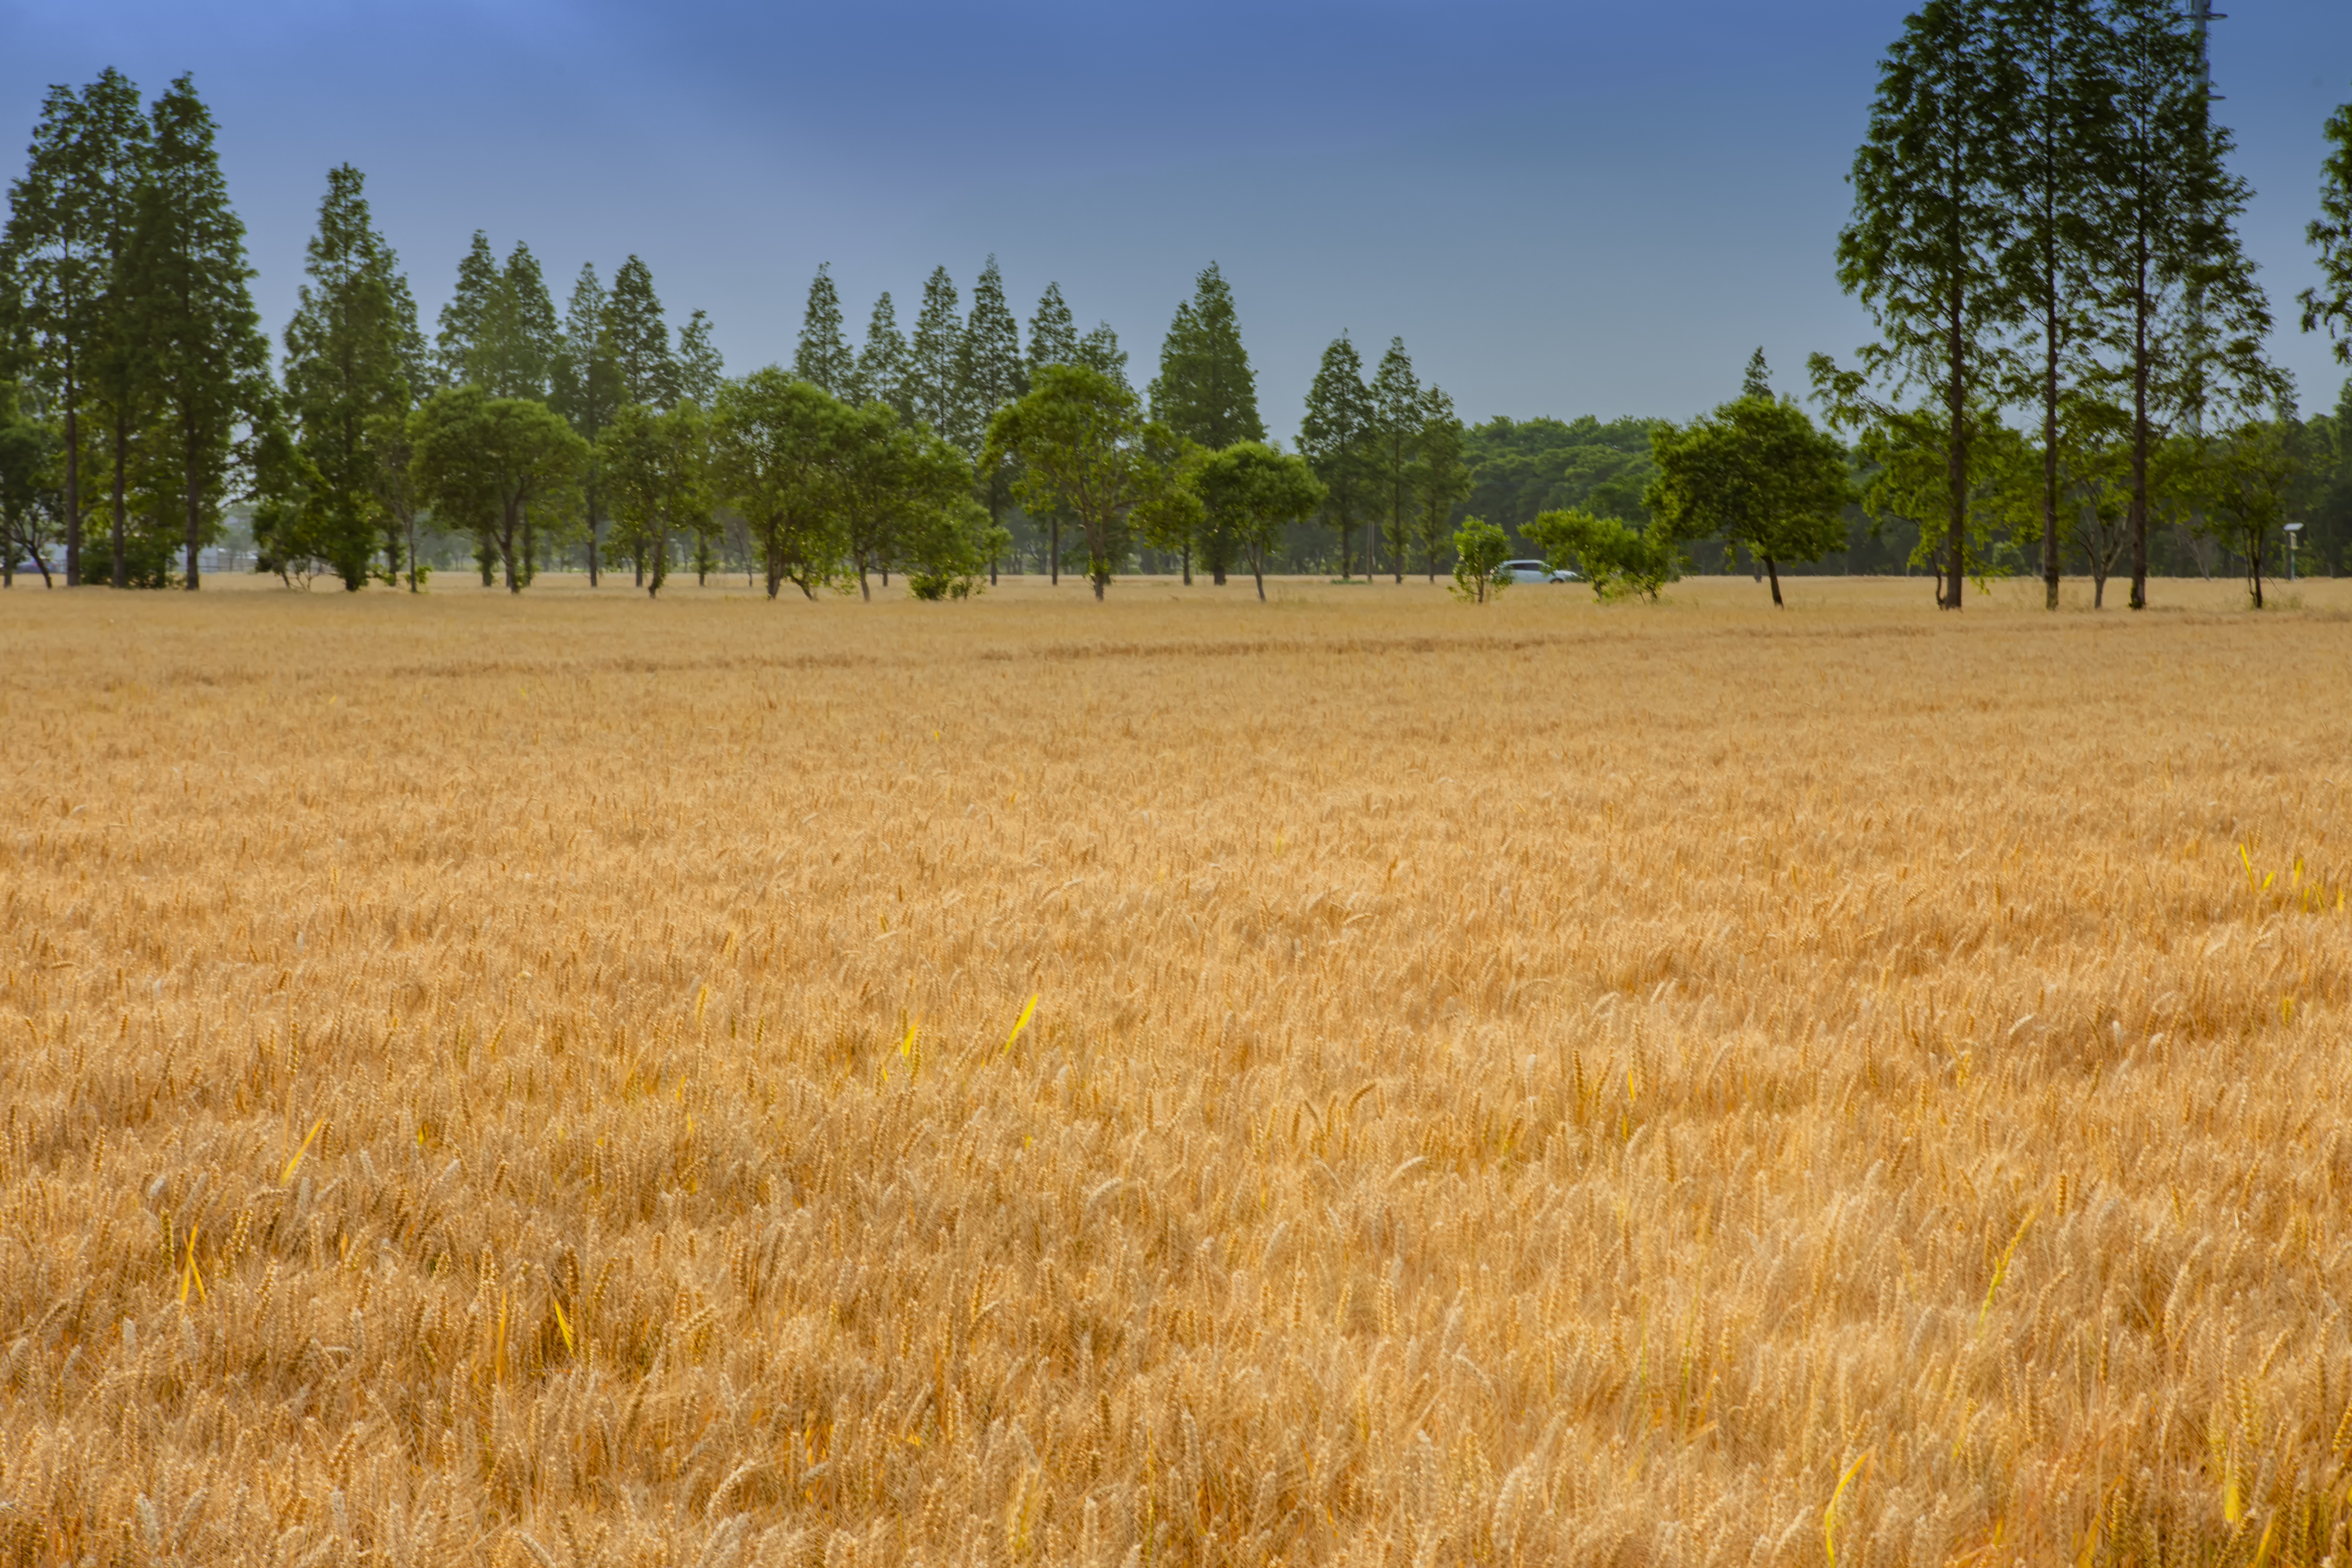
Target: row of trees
column 2044, row 229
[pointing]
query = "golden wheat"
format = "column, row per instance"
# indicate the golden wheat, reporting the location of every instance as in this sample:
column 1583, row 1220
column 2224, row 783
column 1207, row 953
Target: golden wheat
column 1361, row 1078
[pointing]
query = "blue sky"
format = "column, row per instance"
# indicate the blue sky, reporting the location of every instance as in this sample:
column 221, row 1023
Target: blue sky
column 1562, row 208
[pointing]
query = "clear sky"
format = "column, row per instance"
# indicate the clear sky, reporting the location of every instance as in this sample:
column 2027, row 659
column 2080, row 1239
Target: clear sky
column 1563, row 208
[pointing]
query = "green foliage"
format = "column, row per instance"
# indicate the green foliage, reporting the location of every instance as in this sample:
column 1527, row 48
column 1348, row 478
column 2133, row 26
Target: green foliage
column 638, row 337
column 499, row 330
column 1205, row 391
column 894, row 482
column 1618, row 561
column 201, row 359
column 1437, row 474
column 2242, row 482
column 483, row 463
column 1252, row 492
column 1923, row 249
column 1397, row 415
column 1336, row 439
column 1756, row 473
column 882, row 362
column 822, row 357
column 1479, row 550
column 31, row 506
column 1520, row 468
column 932, row 388
column 701, row 370
column 68, row 234
column 1079, row 438
column 947, row 551
column 1906, row 457
column 655, row 467
column 776, row 442
column 1053, row 333
column 2329, row 304
column 349, row 353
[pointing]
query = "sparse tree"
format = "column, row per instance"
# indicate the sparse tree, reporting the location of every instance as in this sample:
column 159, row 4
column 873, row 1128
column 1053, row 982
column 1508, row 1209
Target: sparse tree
column 1439, row 476
column 1479, row 550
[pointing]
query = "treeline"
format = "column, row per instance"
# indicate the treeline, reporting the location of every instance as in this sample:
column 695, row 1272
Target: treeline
column 2069, row 376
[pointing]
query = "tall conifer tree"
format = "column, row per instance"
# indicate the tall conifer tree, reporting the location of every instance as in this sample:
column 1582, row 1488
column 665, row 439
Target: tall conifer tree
column 201, row 351
column 933, row 354
column 1336, row 436
column 68, row 226
column 822, row 357
column 639, row 337
column 1206, row 390
column 2183, row 318
column 2053, row 76
column 470, row 318
column 700, row 367
column 2329, row 305
column 992, row 374
column 882, row 362
column 1924, row 246
column 350, row 351
column 587, row 392
column 1053, row 333
column 1396, row 428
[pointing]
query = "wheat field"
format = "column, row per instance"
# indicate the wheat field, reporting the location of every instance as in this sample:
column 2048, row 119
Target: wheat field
column 1359, row 1079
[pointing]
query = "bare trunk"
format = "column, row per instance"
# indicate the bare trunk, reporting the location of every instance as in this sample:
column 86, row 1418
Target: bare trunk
column 73, row 491
column 592, row 576
column 196, row 513
column 2050, row 439
column 2139, row 433
column 1772, row 570
column 1956, row 460
column 1257, row 570
column 121, row 514
column 1053, row 552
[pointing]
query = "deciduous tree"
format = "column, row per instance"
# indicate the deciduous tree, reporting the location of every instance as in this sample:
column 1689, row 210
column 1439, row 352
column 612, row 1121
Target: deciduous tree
column 1256, row 493
column 776, row 445
column 1079, row 438
column 655, row 469
column 1756, row 473
column 483, row 462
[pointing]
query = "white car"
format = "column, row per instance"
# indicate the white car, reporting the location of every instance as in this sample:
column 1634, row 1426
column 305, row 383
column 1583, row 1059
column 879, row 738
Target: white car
column 1533, row 572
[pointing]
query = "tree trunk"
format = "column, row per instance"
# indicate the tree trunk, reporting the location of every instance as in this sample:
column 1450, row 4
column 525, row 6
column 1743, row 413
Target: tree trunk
column 1772, row 570
column 412, row 550
column 1956, row 458
column 2049, row 437
column 122, row 518
column 73, row 491
column 2140, row 429
column 196, row 516
column 1257, row 570
column 593, row 577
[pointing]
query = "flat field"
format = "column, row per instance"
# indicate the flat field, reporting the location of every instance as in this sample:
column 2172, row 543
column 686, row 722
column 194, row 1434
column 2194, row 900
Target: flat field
column 556, row 1081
